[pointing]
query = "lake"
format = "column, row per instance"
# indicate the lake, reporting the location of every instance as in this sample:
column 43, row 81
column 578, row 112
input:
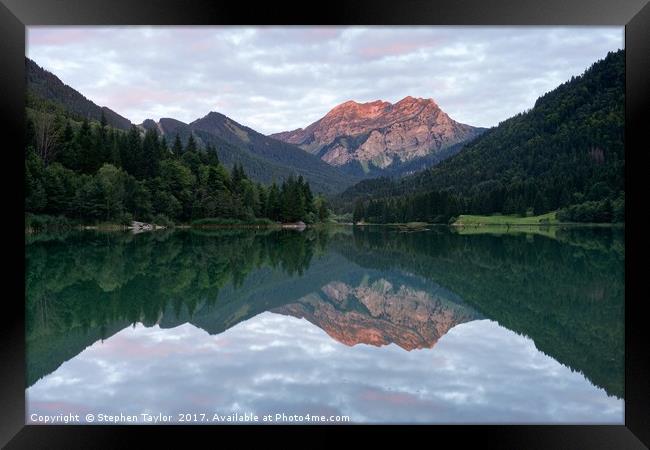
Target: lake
column 336, row 325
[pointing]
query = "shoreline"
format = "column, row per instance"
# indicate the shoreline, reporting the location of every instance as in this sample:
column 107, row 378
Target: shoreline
column 117, row 227
column 499, row 225
column 559, row 224
column 279, row 226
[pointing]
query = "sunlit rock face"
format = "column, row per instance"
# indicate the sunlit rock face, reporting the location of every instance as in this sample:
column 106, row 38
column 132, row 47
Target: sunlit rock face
column 380, row 132
column 380, row 313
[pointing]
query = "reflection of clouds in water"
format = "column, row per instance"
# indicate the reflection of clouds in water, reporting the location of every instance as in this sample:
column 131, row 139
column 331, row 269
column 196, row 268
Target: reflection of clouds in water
column 478, row 372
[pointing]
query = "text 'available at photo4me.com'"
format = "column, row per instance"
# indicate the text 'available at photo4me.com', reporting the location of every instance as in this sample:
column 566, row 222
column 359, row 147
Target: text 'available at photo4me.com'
column 182, row 418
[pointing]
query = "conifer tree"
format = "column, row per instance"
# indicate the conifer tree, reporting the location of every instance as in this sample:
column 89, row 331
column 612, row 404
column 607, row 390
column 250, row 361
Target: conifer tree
column 191, row 144
column 177, row 147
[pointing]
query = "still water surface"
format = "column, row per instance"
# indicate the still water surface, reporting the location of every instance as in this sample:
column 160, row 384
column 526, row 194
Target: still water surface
column 378, row 325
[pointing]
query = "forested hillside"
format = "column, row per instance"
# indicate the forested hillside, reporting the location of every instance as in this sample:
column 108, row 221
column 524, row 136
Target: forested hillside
column 90, row 172
column 566, row 154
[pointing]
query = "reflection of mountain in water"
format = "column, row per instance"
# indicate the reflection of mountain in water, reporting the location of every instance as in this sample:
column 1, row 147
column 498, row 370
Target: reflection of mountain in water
column 372, row 287
column 566, row 294
column 380, row 313
column 91, row 287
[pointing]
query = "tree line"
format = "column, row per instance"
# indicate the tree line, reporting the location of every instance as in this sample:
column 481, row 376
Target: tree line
column 90, row 172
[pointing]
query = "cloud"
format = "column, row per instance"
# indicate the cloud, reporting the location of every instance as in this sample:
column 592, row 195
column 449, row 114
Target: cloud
column 281, row 78
column 479, row 372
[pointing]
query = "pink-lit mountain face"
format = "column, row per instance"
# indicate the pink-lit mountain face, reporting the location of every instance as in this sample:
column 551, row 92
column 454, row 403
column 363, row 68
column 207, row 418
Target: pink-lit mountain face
column 385, row 314
column 380, row 133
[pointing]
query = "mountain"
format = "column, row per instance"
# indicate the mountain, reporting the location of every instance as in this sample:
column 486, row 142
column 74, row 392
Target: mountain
column 47, row 86
column 566, row 152
column 264, row 159
column 380, row 313
column 371, row 137
column 268, row 148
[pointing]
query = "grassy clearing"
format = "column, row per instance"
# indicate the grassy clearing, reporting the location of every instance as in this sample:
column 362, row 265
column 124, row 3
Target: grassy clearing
column 498, row 219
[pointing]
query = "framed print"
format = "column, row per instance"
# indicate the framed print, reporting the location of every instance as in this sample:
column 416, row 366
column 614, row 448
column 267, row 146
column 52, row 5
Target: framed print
column 362, row 217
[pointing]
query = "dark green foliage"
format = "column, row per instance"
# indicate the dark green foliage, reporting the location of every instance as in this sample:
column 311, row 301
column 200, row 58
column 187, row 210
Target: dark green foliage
column 87, row 156
column 97, row 173
column 292, row 201
column 131, row 153
column 30, row 132
column 191, row 144
column 569, row 148
column 35, row 196
column 177, row 148
column 211, row 154
column 152, row 154
column 595, row 211
column 322, row 210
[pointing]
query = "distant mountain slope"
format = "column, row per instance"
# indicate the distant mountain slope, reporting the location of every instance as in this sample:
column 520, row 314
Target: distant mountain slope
column 568, row 149
column 379, row 135
column 269, row 148
column 264, row 159
column 48, row 86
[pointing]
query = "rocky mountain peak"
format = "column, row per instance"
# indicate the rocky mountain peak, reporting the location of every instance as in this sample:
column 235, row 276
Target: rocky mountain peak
column 352, row 109
column 385, row 314
column 149, row 124
column 378, row 133
column 211, row 117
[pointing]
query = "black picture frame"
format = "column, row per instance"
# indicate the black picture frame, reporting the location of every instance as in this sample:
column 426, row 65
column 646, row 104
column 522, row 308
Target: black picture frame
column 15, row 15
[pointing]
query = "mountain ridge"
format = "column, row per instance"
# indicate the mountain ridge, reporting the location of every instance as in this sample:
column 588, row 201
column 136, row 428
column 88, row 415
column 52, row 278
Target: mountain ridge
column 380, row 135
column 265, row 159
column 48, row 86
column 237, row 143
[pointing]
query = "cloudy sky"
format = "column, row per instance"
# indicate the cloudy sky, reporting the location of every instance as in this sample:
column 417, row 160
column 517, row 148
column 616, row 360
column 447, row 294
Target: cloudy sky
column 281, row 78
column 479, row 372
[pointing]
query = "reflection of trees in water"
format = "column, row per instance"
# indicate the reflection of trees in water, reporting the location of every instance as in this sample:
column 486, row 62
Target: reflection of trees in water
column 94, row 283
column 567, row 294
column 99, row 278
column 46, row 314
